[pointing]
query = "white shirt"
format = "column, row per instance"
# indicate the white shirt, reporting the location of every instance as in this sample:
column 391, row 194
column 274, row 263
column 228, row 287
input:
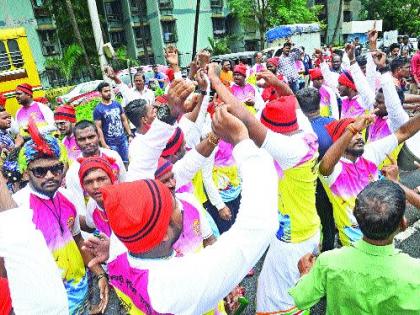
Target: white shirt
column 34, row 278
column 72, row 176
column 195, row 283
column 130, row 94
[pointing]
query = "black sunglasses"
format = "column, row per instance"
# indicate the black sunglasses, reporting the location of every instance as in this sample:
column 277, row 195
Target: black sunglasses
column 40, row 172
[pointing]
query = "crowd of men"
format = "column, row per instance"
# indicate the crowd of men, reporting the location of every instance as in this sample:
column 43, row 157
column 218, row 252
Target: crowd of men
column 170, row 201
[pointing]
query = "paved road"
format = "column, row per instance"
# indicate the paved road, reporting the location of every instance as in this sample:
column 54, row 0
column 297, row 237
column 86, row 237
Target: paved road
column 408, row 242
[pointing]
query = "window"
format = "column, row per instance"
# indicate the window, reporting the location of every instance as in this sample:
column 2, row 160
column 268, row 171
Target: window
column 49, row 43
column 4, row 58
column 169, row 32
column 218, row 26
column 216, row 3
column 138, row 7
column 347, row 16
column 15, row 53
column 165, row 4
column 143, row 33
column 113, row 11
column 117, row 38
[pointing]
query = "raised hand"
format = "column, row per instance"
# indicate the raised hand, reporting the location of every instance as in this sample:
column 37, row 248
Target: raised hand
column 201, row 79
column 228, row 127
column 380, row 59
column 350, row 50
column 171, row 55
column 203, row 58
column 363, row 121
column 177, row 94
column 269, row 77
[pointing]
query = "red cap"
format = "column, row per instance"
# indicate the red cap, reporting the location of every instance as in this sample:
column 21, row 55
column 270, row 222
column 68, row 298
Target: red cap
column 336, row 128
column 139, row 213
column 3, row 100
column 103, row 162
column 25, row 88
column 164, row 166
column 241, row 69
column 346, row 79
column 274, row 61
column 174, row 144
column 280, row 115
column 315, row 74
column 65, row 112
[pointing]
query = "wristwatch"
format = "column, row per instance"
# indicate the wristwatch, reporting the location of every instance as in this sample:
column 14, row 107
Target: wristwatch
column 163, row 113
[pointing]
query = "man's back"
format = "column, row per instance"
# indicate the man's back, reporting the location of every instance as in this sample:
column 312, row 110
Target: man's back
column 364, row 279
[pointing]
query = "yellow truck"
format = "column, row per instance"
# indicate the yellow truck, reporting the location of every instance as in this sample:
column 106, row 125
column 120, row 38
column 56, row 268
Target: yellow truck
column 17, row 66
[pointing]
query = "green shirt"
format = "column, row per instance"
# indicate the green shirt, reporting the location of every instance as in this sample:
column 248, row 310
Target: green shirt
column 364, row 279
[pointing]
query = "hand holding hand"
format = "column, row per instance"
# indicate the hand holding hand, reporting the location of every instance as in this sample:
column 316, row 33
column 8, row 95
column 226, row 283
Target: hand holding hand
column 228, row 127
column 177, row 94
column 97, row 247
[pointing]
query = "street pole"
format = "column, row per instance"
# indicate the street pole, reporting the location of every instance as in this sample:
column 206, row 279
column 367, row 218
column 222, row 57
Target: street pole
column 197, row 18
column 97, row 33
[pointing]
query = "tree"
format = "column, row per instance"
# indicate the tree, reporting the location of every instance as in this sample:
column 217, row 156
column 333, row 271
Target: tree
column 66, row 65
column 122, row 60
column 219, row 46
column 401, row 15
column 76, row 32
column 269, row 13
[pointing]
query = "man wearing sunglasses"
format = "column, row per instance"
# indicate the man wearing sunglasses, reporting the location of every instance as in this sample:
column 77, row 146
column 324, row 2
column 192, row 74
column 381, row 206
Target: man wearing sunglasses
column 55, row 213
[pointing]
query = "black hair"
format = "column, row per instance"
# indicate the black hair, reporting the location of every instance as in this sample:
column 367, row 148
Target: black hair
column 243, row 60
column 393, row 46
column 379, row 209
column 226, row 60
column 154, row 66
column 136, row 110
column 361, row 60
column 83, row 124
column 287, row 44
column 308, row 99
column 140, row 74
column 101, row 86
column 398, row 63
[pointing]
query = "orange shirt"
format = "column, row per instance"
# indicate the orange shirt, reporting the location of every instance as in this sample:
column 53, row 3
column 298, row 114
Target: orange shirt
column 226, row 77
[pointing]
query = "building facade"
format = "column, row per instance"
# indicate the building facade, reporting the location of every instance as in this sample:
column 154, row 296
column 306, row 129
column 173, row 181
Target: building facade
column 40, row 29
column 334, row 13
column 145, row 27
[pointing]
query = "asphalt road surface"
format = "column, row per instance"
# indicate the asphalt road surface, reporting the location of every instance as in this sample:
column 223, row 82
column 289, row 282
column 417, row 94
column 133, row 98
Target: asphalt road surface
column 408, row 242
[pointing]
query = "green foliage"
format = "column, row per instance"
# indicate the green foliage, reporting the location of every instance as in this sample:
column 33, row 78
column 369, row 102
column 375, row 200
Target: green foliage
column 269, row 13
column 67, row 64
column 65, row 29
column 219, row 46
column 121, row 58
column 401, row 15
column 85, row 111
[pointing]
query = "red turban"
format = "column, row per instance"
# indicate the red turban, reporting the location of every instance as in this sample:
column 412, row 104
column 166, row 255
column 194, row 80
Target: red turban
column 65, row 112
column 42, row 100
column 241, row 69
column 274, row 61
column 25, row 88
column 164, row 166
column 346, row 79
column 174, row 144
column 139, row 213
column 3, row 100
column 315, row 74
column 102, row 162
column 280, row 115
column 336, row 128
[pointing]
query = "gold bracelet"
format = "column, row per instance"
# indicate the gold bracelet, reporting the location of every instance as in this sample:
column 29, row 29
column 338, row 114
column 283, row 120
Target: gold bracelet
column 213, row 139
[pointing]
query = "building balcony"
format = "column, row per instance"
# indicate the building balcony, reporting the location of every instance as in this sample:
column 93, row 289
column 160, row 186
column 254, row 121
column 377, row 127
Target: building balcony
column 166, row 4
column 170, row 38
column 45, row 23
column 140, row 45
column 139, row 20
column 50, row 49
column 114, row 21
column 216, row 4
column 219, row 32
